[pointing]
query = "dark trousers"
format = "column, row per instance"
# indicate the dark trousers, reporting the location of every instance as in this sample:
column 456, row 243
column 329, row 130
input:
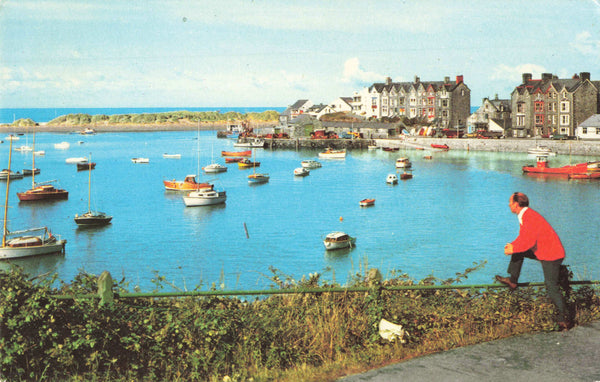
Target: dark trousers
column 551, row 278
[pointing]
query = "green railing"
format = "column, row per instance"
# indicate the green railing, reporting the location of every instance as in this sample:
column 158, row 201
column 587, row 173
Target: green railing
column 106, row 294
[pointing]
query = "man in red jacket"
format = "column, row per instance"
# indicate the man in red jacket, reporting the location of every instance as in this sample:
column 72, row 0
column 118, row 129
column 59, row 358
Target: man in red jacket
column 537, row 240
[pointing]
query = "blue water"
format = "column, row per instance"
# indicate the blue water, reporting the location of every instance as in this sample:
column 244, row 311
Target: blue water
column 41, row 115
column 454, row 212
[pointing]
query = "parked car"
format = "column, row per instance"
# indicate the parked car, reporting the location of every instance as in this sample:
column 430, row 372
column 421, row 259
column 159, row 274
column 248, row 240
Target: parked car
column 562, row 137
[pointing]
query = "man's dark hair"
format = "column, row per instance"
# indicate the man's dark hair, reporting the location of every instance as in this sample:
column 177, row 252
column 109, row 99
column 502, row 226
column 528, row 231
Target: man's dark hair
column 521, row 199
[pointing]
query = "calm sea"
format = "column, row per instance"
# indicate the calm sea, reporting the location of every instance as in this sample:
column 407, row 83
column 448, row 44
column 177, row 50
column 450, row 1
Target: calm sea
column 41, row 115
column 452, row 214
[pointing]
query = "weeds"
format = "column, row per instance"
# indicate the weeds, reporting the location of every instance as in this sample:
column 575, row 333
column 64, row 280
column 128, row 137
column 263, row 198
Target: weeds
column 298, row 336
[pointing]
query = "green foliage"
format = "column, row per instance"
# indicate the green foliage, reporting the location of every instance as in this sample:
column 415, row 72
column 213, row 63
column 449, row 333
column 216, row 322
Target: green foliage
column 24, row 122
column 44, row 338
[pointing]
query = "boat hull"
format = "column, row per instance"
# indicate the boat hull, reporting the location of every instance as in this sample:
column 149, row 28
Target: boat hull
column 367, row 202
column 258, row 178
column 179, row 185
column 33, row 195
column 196, row 199
column 236, row 153
column 92, row 219
column 86, row 166
column 330, row 246
column 9, row 252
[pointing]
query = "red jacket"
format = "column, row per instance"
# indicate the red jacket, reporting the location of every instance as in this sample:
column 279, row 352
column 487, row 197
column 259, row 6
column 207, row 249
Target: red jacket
column 537, row 234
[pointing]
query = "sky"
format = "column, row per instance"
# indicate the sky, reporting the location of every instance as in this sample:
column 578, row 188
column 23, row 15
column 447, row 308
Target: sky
column 243, row 53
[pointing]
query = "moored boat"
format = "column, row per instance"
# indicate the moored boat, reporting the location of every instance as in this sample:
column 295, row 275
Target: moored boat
column 214, row 168
column 367, row 202
column 31, row 171
column 406, row 175
column 440, row 146
column 310, row 164
column 541, row 167
column 76, row 160
column 589, row 175
column 171, row 156
column 338, row 240
column 403, row 163
column 204, row 198
column 391, row 179
column 91, row 218
column 540, row 150
column 62, row 145
column 188, row 184
column 330, row 153
column 13, row 175
column 140, row 160
column 247, row 163
column 301, row 171
column 246, row 153
column 258, row 178
column 250, row 142
column 83, row 166
column 233, row 160
column 43, row 191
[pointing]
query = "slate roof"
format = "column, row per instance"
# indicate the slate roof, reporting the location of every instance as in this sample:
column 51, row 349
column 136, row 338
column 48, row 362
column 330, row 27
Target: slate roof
column 407, row 86
column 593, row 121
column 533, row 85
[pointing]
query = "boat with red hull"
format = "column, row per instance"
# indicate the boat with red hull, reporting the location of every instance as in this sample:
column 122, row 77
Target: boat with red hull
column 246, row 153
column 579, row 169
column 441, row 147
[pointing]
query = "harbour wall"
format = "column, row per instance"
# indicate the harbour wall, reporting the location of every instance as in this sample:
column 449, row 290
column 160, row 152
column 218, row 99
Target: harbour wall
column 565, row 147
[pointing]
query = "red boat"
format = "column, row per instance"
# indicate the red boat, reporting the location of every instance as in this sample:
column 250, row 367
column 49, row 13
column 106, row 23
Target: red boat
column 43, row 191
column 541, row 167
column 441, row 147
column 246, row 153
column 367, row 202
column 232, row 160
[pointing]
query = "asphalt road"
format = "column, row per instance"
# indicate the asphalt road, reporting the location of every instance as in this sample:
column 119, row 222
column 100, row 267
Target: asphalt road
column 570, row 356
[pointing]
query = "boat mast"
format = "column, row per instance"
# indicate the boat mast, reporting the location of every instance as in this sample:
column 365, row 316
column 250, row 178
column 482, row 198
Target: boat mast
column 33, row 163
column 5, row 230
column 90, row 184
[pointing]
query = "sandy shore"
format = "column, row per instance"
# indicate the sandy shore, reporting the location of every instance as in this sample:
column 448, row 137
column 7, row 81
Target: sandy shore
column 114, row 128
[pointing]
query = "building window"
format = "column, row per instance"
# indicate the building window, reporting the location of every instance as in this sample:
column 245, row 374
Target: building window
column 520, row 107
column 520, row 120
column 552, row 106
column 564, row 106
column 444, row 103
column 384, row 101
column 445, row 113
column 584, row 130
column 539, row 106
column 539, row 119
column 597, row 130
column 564, row 120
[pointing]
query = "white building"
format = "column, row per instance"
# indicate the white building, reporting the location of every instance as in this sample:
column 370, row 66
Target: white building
column 590, row 128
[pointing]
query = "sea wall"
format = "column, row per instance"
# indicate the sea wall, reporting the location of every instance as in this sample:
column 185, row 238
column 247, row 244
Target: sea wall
column 308, row 143
column 575, row 147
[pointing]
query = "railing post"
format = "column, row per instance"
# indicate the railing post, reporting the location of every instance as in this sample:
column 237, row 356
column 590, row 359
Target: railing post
column 375, row 308
column 105, row 284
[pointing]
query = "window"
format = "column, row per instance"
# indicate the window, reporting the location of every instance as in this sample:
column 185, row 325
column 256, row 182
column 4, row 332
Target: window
column 539, row 106
column 597, row 130
column 520, row 120
column 564, row 120
column 584, row 130
column 539, row 119
column 564, row 106
column 384, row 101
column 520, row 107
column 374, row 101
column 552, row 106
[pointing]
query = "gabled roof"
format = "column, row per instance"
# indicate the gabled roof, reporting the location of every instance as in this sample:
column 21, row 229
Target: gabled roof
column 543, row 85
column 593, row 121
column 406, row 86
column 298, row 104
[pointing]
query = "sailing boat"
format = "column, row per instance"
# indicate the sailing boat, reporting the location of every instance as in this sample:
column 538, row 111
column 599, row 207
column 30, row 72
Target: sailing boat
column 91, row 218
column 43, row 190
column 214, row 167
column 189, row 183
column 257, row 178
column 25, row 243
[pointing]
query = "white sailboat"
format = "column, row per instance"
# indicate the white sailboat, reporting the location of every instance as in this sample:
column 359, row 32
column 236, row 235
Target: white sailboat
column 29, row 242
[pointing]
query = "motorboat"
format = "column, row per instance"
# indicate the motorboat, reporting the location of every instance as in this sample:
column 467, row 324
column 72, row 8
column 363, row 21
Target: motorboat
column 247, row 163
column 204, row 198
column 87, row 131
column 391, row 149
column 4, row 174
column 330, row 153
column 39, row 153
column 540, row 150
column 43, row 191
column 171, row 156
column 541, row 167
column 187, row 184
column 214, row 168
column 62, row 145
column 301, row 171
column 28, row 242
column 31, row 171
column 83, row 166
column 254, row 143
column 338, row 240
column 140, row 160
column 76, row 160
column 24, row 148
column 246, row 153
column 403, row 163
column 391, row 179
column 310, row 164
column 257, row 178
column 367, row 202
column 440, row 146
column 233, row 160
column 406, row 175
column 91, row 218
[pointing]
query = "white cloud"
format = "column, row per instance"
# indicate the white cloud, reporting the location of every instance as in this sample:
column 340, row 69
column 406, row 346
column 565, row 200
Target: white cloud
column 355, row 74
column 513, row 74
column 585, row 44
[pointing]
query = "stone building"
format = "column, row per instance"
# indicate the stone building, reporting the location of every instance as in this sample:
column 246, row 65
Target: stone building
column 493, row 115
column 549, row 106
column 445, row 104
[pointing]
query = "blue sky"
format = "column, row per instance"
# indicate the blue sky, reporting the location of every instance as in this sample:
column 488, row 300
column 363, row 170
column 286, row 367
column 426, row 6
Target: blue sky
column 129, row 53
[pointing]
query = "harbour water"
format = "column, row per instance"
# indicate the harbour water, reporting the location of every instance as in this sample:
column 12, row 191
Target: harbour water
column 452, row 214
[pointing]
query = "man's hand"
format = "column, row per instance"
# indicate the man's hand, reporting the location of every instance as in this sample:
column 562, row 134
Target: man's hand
column 508, row 249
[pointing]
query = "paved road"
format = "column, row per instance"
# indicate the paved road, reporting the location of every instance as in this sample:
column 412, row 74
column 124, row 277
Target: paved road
column 550, row 357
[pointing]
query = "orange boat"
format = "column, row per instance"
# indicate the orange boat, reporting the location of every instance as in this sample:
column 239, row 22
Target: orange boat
column 188, row 184
column 233, row 160
column 246, row 153
column 367, row 202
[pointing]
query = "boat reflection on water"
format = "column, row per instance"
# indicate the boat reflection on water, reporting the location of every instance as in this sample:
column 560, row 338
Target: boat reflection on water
column 339, row 254
column 35, row 265
column 201, row 213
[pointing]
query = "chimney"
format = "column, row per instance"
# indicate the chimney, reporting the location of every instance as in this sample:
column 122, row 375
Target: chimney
column 417, row 79
column 584, row 76
column 446, row 80
column 526, row 77
column 388, row 80
column 546, row 76
column 496, row 99
column 459, row 79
